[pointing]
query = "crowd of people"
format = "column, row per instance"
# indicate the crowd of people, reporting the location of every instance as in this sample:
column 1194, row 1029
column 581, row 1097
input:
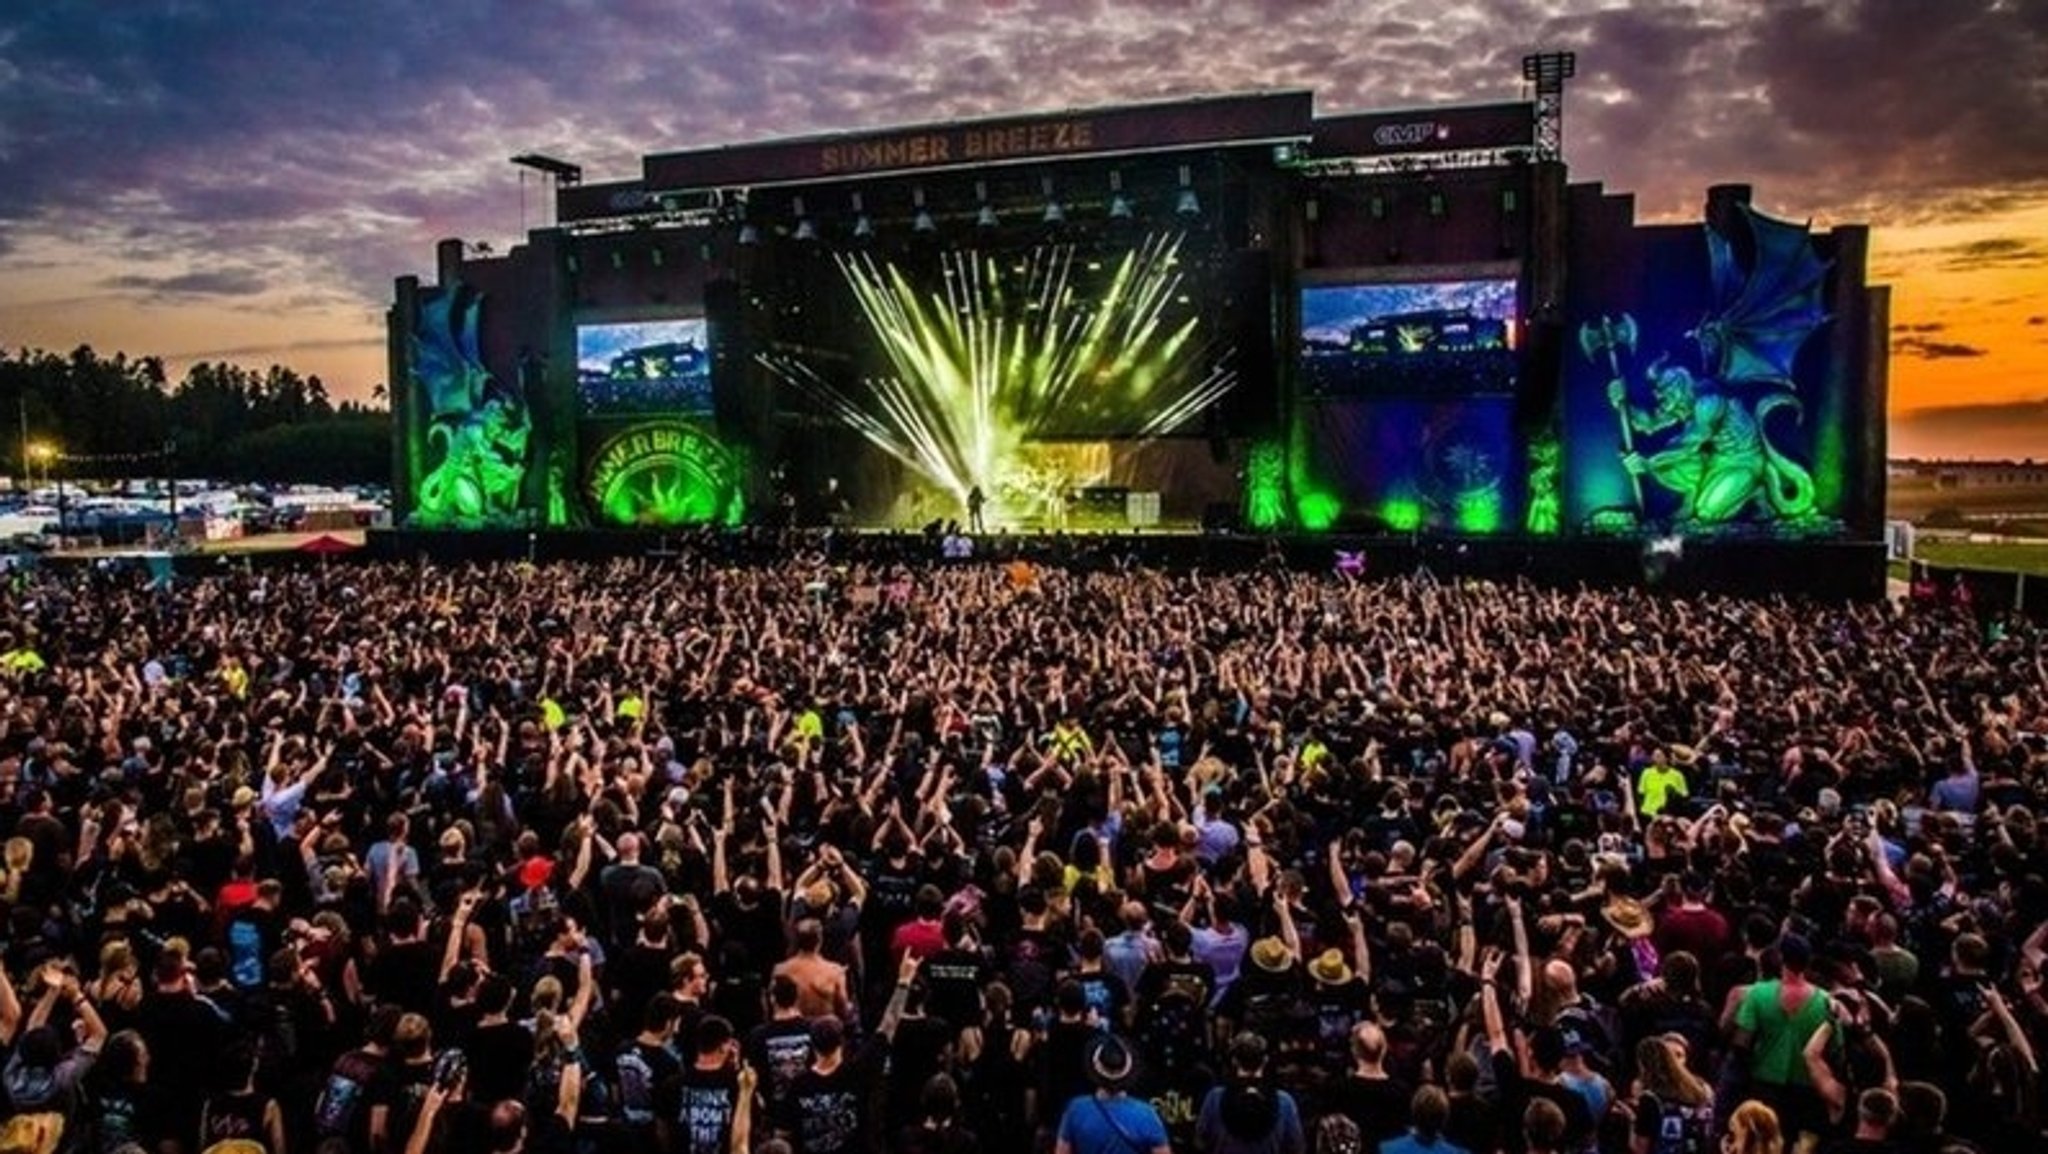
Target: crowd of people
column 691, row 855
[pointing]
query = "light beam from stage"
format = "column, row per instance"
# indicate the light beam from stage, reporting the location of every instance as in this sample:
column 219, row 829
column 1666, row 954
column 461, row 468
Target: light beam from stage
column 994, row 360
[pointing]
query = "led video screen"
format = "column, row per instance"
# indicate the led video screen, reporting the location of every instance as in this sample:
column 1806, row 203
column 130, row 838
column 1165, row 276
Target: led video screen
column 644, row 368
column 1423, row 338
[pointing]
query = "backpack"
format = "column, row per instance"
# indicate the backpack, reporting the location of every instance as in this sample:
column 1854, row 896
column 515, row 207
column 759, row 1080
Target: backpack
column 1680, row 1129
column 532, row 917
column 636, row 1086
column 1172, row 1033
column 343, row 1098
column 275, row 1037
column 245, row 953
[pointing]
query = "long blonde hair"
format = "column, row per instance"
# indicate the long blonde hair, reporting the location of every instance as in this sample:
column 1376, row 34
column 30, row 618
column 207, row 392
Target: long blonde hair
column 1753, row 1129
column 21, row 852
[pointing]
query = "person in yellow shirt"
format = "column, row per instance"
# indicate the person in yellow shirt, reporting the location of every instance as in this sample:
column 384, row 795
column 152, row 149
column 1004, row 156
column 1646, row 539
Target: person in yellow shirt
column 1068, row 742
column 1660, row 784
column 235, row 677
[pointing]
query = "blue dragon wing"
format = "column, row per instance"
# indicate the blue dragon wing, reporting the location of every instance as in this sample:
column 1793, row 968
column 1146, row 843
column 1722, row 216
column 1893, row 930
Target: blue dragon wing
column 1765, row 312
column 446, row 361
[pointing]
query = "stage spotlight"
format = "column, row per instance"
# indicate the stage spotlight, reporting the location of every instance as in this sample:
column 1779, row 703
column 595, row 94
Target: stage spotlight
column 1188, row 204
column 923, row 222
column 1054, row 214
column 805, row 230
column 863, row 228
column 1119, row 206
column 749, row 235
column 986, row 218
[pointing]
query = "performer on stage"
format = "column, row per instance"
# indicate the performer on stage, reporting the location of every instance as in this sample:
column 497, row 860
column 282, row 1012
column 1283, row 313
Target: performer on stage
column 975, row 501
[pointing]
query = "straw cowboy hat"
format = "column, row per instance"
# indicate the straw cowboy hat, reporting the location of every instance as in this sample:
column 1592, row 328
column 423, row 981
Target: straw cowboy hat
column 1629, row 917
column 1271, row 955
column 1330, row 969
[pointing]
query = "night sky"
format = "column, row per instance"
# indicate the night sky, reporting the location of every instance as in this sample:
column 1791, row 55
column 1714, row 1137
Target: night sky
column 224, row 179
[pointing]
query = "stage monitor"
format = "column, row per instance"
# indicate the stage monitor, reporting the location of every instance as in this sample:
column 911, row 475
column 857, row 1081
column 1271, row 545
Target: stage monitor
column 1410, row 338
column 644, row 367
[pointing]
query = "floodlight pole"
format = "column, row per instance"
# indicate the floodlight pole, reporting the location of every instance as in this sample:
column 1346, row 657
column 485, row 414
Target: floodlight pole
column 1546, row 73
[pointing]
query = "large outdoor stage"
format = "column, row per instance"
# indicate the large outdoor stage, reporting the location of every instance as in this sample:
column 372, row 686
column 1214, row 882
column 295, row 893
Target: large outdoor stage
column 1228, row 314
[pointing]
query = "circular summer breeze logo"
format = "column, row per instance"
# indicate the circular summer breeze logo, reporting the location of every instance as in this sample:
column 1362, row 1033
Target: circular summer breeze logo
column 661, row 474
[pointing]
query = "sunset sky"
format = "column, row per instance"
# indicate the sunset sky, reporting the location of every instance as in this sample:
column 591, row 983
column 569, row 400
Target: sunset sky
column 242, row 180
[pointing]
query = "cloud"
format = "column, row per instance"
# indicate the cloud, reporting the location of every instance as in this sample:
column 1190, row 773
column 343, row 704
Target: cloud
column 2035, row 322
column 1996, row 252
column 1927, row 327
column 2004, row 430
column 330, row 145
column 1934, row 350
column 276, row 350
column 222, row 283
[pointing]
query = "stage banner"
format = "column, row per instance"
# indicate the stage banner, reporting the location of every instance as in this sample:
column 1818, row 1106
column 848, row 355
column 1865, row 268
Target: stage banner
column 1422, row 130
column 1229, row 120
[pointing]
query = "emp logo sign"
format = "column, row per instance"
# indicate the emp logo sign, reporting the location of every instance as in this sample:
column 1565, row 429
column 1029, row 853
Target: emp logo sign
column 1399, row 135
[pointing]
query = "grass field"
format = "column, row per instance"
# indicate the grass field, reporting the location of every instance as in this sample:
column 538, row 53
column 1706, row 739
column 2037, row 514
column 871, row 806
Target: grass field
column 2029, row 557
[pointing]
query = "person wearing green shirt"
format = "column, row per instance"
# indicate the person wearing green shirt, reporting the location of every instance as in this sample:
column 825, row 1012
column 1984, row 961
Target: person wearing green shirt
column 1773, row 1023
column 1660, row 784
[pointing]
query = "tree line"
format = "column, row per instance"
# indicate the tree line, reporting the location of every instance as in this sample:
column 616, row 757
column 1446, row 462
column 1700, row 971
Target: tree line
column 120, row 417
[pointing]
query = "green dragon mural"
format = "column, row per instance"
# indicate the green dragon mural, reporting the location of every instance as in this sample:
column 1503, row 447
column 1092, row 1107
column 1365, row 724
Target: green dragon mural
column 478, row 427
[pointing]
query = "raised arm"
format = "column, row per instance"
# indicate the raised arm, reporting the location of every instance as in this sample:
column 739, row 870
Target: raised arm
column 586, row 989
column 1361, row 949
column 10, row 1009
column 906, row 973
column 1525, row 975
column 742, row 1136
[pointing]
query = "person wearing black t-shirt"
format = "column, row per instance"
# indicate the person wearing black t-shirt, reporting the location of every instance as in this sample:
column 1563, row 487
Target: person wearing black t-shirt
column 401, row 1087
column 1062, row 1073
column 646, row 1065
column 499, row 1048
column 830, row 1107
column 779, row 1049
column 937, row 1129
column 954, row 976
column 916, row 1053
column 1877, row 1112
column 1367, row 1095
column 1173, row 1001
column 1517, row 1094
column 1103, row 990
column 696, row 1105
